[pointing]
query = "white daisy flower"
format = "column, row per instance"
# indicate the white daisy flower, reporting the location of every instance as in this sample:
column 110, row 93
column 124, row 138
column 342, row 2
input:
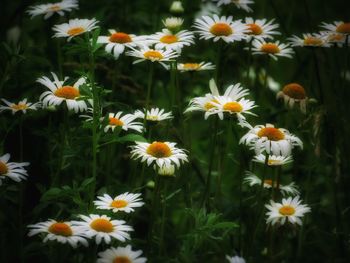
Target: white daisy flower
column 252, row 179
column 290, row 210
column 124, row 202
column 176, row 7
column 159, row 153
column 185, row 67
column 165, row 170
column 170, row 41
column 116, row 42
column 125, row 122
column 309, row 40
column 337, row 27
column 14, row 171
column 334, row 38
column 235, row 259
column 173, row 23
column 260, row 29
column 273, row 160
column 62, row 93
column 294, row 93
column 75, row 27
column 154, row 115
column 22, row 106
column 153, row 55
column 101, row 227
column 62, row 232
column 274, row 141
column 217, row 28
column 240, row 4
column 273, row 49
column 49, row 9
column 121, row 255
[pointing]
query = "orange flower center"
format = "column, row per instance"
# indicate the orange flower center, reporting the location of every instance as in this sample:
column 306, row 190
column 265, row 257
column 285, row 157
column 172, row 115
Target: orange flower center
column 115, row 122
column 221, row 29
column 159, row 150
column 313, row 41
column 273, row 134
column 19, row 106
column 102, row 225
column 336, row 37
column 287, row 210
column 118, row 203
column 233, row 107
column 55, row 8
column 67, row 92
column 122, row 259
column 3, row 168
column 255, row 29
column 343, row 28
column 271, row 48
column 153, row 55
column 168, row 39
column 120, row 38
column 76, row 31
column 268, row 181
column 60, row 229
column 191, row 66
column 295, row 91
column 209, row 105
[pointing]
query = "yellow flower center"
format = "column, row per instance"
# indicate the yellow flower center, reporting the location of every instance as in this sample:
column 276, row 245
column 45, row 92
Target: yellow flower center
column 221, row 29
column 115, row 122
column 273, row 134
column 287, row 210
column 273, row 162
column 168, row 39
column 191, row 66
column 153, row 55
column 120, row 38
column 19, row 106
column 233, row 107
column 76, row 31
column 67, row 92
column 55, row 8
column 159, row 150
column 118, row 203
column 313, row 41
column 255, row 29
column 268, row 181
column 3, row 168
column 295, row 91
column 343, row 28
column 271, row 48
column 209, row 105
column 336, row 37
column 122, row 259
column 102, row 225
column 152, row 117
column 61, row 229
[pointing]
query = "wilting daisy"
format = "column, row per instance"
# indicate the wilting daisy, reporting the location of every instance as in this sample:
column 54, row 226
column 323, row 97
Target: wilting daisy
column 273, row 160
column 337, row 27
column 59, row 92
column 75, row 27
column 14, row 171
column 173, row 23
column 125, row 202
column 49, row 9
column 273, row 49
column 290, row 210
column 185, row 67
column 260, row 29
column 101, row 227
column 153, row 55
column 121, row 255
column 125, row 122
column 274, row 141
column 159, row 153
column 290, row 189
column 154, row 115
column 235, row 259
column 63, row 232
column 168, row 40
column 22, row 106
column 240, row 4
column 294, row 93
column 217, row 28
column 309, row 40
column 116, row 42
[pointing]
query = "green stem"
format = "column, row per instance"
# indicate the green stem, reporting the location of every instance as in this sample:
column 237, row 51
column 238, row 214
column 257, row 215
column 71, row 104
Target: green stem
column 161, row 238
column 249, row 60
column 217, row 64
column 149, row 89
